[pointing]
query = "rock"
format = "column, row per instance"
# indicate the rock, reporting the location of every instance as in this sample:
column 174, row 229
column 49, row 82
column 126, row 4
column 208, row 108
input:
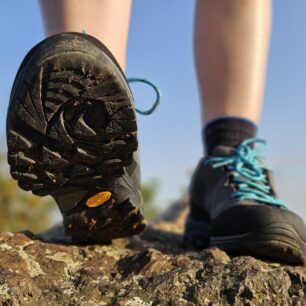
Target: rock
column 151, row 269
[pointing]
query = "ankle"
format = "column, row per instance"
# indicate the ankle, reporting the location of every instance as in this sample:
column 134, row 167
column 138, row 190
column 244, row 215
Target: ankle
column 227, row 131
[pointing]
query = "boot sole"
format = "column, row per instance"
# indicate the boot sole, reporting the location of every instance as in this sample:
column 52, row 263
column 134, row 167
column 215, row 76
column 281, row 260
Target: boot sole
column 71, row 125
column 276, row 242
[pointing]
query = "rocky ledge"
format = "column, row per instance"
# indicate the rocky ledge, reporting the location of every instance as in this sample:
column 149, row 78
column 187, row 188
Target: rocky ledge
column 150, row 269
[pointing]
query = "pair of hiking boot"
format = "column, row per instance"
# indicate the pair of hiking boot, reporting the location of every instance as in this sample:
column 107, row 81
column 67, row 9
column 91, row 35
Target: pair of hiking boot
column 72, row 134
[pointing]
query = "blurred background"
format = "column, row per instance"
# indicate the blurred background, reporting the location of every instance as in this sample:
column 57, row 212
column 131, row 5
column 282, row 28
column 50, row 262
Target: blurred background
column 160, row 48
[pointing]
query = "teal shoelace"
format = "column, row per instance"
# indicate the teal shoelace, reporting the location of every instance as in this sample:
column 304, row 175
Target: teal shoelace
column 248, row 173
column 157, row 91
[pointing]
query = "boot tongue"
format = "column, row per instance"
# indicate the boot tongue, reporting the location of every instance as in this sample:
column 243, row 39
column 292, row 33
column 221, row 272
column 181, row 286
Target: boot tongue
column 221, row 151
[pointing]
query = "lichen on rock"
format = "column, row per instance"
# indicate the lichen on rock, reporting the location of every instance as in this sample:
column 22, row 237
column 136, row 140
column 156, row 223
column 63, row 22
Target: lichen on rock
column 146, row 270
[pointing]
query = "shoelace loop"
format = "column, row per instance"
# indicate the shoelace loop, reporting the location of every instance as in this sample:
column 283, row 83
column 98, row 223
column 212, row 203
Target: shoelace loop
column 248, row 172
column 142, row 80
column 157, row 91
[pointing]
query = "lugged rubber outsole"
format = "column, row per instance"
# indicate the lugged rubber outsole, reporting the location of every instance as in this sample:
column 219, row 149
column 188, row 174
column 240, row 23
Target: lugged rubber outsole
column 276, row 242
column 104, row 223
column 71, row 125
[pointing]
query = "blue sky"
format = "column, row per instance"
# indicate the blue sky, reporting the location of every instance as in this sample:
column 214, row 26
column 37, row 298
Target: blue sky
column 160, row 48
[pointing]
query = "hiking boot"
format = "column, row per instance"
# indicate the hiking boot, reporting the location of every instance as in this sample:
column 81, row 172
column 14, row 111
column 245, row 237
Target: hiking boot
column 233, row 206
column 71, row 134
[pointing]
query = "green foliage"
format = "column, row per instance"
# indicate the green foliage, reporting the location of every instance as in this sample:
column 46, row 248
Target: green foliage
column 19, row 209
column 149, row 191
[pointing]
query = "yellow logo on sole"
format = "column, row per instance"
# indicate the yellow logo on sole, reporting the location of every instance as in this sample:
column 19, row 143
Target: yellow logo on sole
column 98, row 199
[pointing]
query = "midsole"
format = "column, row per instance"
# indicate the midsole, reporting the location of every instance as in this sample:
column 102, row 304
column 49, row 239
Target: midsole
column 275, row 231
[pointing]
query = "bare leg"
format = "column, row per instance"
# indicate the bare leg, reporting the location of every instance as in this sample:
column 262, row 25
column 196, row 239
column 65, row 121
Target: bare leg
column 231, row 46
column 107, row 20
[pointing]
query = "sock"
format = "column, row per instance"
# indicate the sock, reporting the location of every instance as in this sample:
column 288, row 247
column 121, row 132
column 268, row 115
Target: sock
column 227, row 131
